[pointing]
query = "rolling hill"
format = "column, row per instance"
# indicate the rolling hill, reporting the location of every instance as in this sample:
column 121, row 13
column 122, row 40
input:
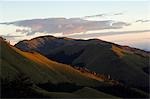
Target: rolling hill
column 25, row 74
column 129, row 66
column 31, row 75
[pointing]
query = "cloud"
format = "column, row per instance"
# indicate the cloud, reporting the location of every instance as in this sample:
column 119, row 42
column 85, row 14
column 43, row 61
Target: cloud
column 102, row 15
column 66, row 26
column 91, row 35
column 142, row 21
column 22, row 30
column 92, row 16
column 10, row 36
column 118, row 14
column 120, row 24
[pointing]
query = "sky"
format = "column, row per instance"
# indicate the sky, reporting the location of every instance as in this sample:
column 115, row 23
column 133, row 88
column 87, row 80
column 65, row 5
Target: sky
column 135, row 13
column 18, row 10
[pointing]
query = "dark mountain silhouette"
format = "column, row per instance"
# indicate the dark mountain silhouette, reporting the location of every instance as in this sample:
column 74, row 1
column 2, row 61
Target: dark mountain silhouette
column 128, row 65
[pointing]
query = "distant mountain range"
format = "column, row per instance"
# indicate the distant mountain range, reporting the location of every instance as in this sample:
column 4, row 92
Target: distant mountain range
column 54, row 67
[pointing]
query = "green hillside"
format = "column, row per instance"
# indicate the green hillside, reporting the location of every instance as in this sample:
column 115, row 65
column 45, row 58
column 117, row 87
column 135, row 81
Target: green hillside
column 39, row 68
column 21, row 71
column 31, row 75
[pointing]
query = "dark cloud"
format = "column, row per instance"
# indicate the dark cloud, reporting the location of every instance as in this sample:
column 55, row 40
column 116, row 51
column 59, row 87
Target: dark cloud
column 142, row 21
column 65, row 26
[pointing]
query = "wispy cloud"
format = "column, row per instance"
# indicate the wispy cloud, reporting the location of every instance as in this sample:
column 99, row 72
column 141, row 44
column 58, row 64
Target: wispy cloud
column 23, row 30
column 103, row 15
column 118, row 13
column 90, row 35
column 142, row 21
column 97, row 15
column 10, row 36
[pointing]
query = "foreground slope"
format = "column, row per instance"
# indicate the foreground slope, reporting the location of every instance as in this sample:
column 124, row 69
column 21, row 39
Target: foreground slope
column 39, row 68
column 127, row 65
column 25, row 74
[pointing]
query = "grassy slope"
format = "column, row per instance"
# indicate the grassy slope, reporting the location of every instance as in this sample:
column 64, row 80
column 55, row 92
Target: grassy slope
column 103, row 59
column 85, row 92
column 39, row 68
column 133, row 62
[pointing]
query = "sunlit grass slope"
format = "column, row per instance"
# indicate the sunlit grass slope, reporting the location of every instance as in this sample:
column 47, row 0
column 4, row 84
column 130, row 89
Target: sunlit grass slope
column 39, row 68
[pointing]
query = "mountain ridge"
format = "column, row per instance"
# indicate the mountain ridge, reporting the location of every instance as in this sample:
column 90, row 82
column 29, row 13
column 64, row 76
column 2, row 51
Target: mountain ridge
column 94, row 39
column 96, row 55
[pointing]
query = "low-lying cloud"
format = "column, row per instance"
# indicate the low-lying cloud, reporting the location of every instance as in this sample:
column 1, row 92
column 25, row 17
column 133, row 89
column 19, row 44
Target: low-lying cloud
column 66, row 26
column 10, row 36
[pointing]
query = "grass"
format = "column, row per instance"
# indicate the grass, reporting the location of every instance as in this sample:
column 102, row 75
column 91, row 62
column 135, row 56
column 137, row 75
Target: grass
column 118, row 51
column 39, row 68
column 87, row 92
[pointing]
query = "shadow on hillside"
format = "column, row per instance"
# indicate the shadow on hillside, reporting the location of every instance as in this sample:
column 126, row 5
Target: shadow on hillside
column 64, row 58
column 122, row 91
column 61, row 87
column 22, row 86
column 115, row 90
